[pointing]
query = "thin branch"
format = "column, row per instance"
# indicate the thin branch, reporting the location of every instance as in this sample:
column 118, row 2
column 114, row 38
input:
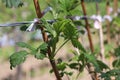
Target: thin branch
column 90, row 67
column 87, row 26
column 101, row 38
column 107, row 21
column 77, row 75
column 61, row 46
column 115, row 7
column 45, row 38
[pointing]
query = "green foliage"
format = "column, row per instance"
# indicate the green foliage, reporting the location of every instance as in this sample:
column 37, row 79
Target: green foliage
column 102, row 65
column 68, row 5
column 25, row 45
column 93, row 0
column 62, row 28
column 17, row 58
column 60, row 25
column 117, row 52
column 42, row 50
column 13, row 3
column 40, row 56
column 70, row 31
column 77, row 44
column 66, row 29
column 116, row 63
column 23, row 28
column 73, row 65
column 43, row 46
column 117, row 21
column 111, row 73
column 61, row 66
column 55, row 5
column 62, row 8
column 80, row 61
column 99, row 65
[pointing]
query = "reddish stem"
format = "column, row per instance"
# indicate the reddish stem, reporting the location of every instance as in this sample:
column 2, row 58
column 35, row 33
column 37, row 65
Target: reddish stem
column 45, row 38
column 90, row 67
column 107, row 22
column 87, row 26
column 115, row 6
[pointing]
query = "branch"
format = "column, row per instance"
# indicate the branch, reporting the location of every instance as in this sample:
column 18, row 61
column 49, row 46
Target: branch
column 90, row 67
column 87, row 26
column 45, row 38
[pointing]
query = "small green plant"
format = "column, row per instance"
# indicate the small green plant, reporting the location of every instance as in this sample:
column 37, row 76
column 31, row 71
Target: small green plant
column 63, row 27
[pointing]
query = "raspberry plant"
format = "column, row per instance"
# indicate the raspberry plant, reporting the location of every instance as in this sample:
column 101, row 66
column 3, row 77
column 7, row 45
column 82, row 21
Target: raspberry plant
column 63, row 26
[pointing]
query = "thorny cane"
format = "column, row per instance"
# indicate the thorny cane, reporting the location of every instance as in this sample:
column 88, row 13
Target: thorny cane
column 90, row 69
column 45, row 38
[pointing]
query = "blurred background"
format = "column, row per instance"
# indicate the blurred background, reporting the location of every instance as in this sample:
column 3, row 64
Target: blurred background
column 34, row 69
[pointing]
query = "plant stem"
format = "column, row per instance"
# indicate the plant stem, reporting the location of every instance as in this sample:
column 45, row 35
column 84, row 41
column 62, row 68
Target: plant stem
column 90, row 67
column 115, row 7
column 101, row 38
column 107, row 21
column 45, row 38
column 77, row 76
column 97, row 8
column 61, row 46
column 87, row 26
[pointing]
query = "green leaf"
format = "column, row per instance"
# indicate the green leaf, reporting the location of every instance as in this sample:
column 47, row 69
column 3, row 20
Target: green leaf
column 109, row 47
column 81, row 68
column 59, row 25
column 55, row 5
column 105, row 76
column 40, row 56
column 51, row 71
column 65, row 72
column 111, row 73
column 92, row 59
column 102, row 65
column 43, row 46
column 53, row 42
column 13, row 3
column 43, row 50
column 117, row 51
column 17, row 58
column 23, row 28
column 117, row 78
column 68, row 73
column 75, row 58
column 8, row 3
column 116, row 63
column 25, row 45
column 117, row 21
column 80, row 64
column 70, row 31
column 81, row 57
column 48, row 28
column 62, row 74
column 78, row 23
column 78, row 45
column 93, row 0
column 61, row 66
column 68, row 5
column 73, row 65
